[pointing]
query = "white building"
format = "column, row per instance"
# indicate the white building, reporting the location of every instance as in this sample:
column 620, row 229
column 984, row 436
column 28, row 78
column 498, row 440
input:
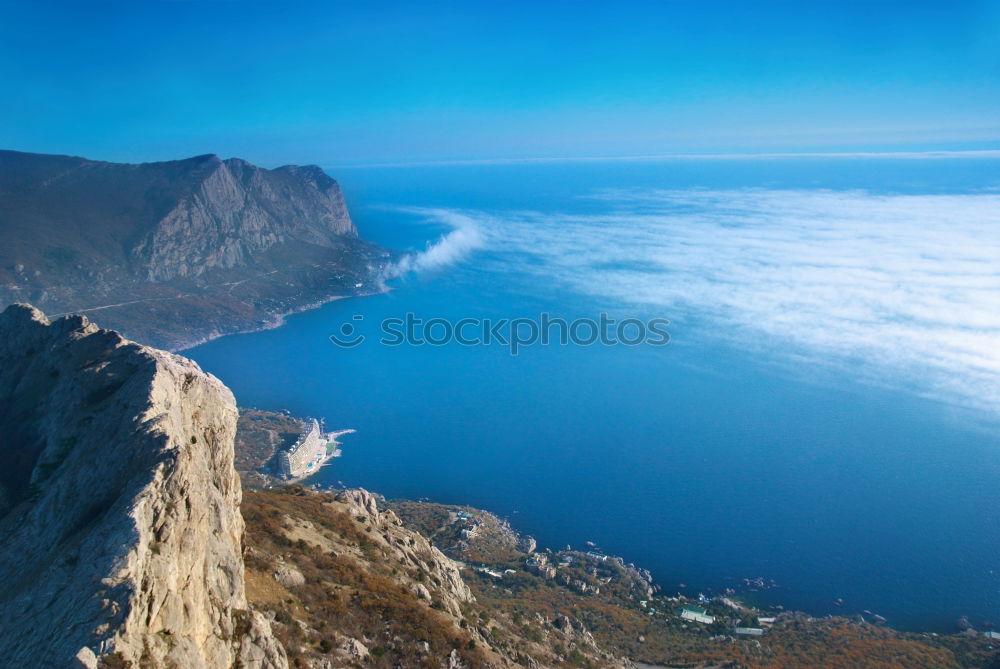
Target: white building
column 305, row 456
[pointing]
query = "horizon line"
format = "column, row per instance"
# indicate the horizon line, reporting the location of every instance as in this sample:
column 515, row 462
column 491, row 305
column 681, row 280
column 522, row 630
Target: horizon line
column 909, row 155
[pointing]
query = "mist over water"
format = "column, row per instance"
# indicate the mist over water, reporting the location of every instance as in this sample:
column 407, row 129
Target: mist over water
column 825, row 415
column 451, row 247
column 901, row 289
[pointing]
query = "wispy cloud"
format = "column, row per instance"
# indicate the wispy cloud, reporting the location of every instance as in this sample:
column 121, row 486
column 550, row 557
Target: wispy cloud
column 901, row 289
column 463, row 238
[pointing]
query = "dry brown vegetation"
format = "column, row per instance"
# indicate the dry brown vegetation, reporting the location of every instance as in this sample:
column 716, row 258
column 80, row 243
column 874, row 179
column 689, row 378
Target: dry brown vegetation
column 360, row 576
column 341, row 596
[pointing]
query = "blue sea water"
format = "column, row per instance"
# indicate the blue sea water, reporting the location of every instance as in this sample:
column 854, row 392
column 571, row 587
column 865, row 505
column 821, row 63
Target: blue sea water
column 708, row 460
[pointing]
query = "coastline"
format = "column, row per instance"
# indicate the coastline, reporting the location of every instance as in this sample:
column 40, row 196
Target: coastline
column 278, row 320
column 492, row 552
column 504, row 566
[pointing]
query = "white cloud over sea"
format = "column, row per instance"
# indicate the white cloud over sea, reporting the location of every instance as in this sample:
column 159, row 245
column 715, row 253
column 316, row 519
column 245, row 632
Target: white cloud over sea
column 902, row 289
column 463, row 237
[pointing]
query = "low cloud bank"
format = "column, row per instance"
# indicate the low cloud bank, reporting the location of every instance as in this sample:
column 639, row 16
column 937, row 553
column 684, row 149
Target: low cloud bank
column 901, row 289
column 450, row 248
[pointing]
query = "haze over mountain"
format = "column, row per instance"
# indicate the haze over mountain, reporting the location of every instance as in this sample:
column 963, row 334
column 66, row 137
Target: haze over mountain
column 176, row 252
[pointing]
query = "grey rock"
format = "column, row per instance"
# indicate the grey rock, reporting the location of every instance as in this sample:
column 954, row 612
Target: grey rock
column 526, row 544
column 355, row 650
column 289, row 576
column 453, row 661
column 121, row 530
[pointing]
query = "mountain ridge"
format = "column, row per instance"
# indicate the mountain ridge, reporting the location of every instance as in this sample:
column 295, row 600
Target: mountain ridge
column 176, row 252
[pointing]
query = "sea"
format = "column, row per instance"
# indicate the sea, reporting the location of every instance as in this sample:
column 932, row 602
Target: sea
column 821, row 432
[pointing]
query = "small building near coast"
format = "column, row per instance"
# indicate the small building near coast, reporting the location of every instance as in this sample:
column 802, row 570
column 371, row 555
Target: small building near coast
column 696, row 614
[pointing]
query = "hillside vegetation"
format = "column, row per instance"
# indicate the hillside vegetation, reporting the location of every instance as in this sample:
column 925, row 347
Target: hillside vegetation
column 352, row 580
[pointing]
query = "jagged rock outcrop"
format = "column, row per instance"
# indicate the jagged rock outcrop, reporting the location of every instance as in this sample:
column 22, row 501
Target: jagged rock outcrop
column 172, row 253
column 120, row 529
column 412, row 548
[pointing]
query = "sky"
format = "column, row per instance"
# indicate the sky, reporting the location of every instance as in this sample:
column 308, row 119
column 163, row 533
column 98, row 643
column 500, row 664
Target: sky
column 343, row 84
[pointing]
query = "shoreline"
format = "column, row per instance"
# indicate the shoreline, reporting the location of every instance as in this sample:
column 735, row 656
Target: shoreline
column 741, row 601
column 278, row 320
column 736, row 600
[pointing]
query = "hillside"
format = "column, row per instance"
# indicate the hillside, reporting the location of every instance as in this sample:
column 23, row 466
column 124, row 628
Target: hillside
column 628, row 615
column 345, row 583
column 173, row 253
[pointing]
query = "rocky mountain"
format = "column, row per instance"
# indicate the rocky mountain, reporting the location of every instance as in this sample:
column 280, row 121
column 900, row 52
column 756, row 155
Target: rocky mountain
column 120, row 528
column 173, row 253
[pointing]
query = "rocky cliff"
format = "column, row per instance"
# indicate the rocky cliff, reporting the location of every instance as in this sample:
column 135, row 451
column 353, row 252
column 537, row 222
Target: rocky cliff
column 120, row 529
column 234, row 210
column 176, row 252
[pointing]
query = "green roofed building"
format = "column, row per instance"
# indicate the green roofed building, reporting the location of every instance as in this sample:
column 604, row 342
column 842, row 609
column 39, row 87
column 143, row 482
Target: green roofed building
column 695, row 613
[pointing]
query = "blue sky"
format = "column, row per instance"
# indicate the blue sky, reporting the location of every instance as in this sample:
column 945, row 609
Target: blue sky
column 360, row 83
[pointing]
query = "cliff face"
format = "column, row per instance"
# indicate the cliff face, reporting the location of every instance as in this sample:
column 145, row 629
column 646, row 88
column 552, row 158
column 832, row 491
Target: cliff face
column 238, row 210
column 176, row 252
column 120, row 530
